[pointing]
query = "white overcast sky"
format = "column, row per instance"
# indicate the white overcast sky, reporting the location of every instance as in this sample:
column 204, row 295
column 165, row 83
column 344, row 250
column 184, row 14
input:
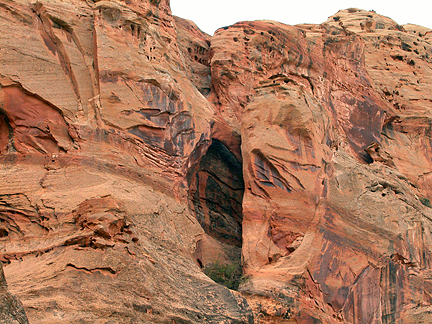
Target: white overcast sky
column 211, row 15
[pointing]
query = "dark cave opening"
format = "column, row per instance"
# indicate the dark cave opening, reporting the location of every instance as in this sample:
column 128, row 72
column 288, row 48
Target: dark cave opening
column 216, row 189
column 5, row 133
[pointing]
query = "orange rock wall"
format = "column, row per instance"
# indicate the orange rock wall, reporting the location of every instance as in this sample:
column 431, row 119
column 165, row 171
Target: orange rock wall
column 137, row 151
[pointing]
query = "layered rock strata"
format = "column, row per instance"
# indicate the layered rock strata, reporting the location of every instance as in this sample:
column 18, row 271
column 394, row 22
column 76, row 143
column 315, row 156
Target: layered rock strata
column 137, row 152
column 333, row 124
column 100, row 126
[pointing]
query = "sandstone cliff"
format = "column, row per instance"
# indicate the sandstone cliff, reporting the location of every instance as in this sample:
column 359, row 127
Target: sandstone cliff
column 139, row 154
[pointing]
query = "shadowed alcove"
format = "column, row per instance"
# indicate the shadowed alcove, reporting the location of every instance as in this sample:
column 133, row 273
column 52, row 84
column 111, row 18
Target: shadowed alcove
column 216, row 191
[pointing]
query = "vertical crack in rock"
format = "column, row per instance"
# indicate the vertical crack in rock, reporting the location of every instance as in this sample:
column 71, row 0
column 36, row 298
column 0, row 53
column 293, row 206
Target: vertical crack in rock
column 6, row 134
column 55, row 45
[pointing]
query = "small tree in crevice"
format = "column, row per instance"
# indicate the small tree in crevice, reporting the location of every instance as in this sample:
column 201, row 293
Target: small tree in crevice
column 425, row 201
column 228, row 275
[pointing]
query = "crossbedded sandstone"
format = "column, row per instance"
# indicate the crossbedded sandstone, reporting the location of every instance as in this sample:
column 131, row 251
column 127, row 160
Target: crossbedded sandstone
column 138, row 152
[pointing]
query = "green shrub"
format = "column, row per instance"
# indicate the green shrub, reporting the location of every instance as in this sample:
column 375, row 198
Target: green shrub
column 425, row 202
column 228, row 275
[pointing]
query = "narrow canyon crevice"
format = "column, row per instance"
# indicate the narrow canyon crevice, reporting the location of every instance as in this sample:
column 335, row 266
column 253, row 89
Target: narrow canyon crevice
column 216, row 191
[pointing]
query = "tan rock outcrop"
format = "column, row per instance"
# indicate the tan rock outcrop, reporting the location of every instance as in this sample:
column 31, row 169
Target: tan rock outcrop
column 140, row 154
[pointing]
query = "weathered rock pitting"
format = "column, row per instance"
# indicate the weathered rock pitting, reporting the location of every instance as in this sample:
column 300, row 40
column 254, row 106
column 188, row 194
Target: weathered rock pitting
column 333, row 225
column 99, row 126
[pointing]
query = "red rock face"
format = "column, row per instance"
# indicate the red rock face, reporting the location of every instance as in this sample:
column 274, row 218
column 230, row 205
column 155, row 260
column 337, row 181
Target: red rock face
column 325, row 211
column 139, row 153
column 99, row 127
column 35, row 125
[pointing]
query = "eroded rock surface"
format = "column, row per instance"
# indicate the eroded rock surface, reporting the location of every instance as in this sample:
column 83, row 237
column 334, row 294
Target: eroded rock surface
column 99, row 127
column 336, row 216
column 137, row 151
column 11, row 309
